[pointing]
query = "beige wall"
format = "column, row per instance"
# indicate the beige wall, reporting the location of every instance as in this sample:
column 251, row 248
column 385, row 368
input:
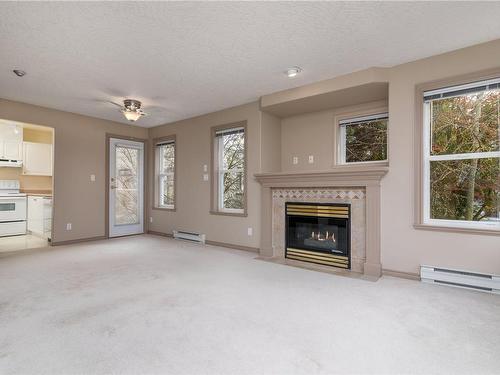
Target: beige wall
column 79, row 152
column 193, row 194
column 315, row 134
column 270, row 143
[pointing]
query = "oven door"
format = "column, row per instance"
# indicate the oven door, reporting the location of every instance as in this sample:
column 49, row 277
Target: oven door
column 12, row 209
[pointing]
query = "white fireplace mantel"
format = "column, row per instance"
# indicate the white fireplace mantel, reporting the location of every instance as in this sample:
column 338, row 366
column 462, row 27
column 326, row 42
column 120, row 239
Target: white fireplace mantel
column 366, row 176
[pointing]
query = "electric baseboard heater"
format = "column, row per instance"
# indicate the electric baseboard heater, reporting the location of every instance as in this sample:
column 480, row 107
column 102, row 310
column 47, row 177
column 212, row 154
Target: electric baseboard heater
column 461, row 279
column 189, row 236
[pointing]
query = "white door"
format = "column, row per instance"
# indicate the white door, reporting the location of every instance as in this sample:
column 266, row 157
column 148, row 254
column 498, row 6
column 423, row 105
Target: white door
column 126, row 187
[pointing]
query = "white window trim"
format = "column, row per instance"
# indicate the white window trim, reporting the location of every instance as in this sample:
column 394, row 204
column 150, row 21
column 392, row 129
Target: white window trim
column 159, row 176
column 220, row 177
column 342, row 136
column 427, row 158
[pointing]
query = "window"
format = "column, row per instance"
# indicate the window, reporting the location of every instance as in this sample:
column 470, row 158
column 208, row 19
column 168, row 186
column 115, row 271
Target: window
column 461, row 151
column 364, row 139
column 229, row 169
column 165, row 173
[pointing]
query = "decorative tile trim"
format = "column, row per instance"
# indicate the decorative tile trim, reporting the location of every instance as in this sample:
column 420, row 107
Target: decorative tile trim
column 318, row 193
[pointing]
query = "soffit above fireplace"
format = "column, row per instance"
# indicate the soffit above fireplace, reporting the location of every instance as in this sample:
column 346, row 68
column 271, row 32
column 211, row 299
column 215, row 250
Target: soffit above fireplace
column 337, row 176
column 364, row 86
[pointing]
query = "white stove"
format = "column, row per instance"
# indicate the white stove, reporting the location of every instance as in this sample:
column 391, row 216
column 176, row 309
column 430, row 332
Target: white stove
column 12, row 209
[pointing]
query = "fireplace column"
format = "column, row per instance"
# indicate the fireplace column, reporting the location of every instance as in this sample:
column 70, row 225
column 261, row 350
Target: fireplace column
column 266, row 222
column 372, row 266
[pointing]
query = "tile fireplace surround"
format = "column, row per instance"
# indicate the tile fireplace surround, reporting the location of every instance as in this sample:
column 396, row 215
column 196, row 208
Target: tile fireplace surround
column 356, row 185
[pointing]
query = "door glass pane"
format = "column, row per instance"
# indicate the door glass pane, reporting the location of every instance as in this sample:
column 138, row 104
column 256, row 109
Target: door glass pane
column 127, row 183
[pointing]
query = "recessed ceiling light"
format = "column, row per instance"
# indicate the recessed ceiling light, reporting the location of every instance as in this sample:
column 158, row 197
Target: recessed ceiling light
column 292, row 72
column 19, row 72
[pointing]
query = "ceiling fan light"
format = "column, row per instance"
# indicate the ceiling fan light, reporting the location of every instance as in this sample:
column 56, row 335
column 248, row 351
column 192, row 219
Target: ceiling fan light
column 131, row 115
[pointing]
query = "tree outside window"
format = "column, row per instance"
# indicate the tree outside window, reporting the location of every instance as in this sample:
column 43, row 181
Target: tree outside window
column 363, row 139
column 230, row 145
column 165, row 158
column 463, row 155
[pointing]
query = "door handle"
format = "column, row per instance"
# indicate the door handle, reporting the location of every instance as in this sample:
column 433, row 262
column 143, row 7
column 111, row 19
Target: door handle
column 112, row 187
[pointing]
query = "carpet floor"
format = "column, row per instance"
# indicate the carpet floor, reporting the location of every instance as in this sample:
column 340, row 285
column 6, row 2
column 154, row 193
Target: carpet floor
column 152, row 305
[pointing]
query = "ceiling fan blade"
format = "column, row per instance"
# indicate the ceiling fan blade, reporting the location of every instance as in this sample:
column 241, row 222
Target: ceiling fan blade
column 118, row 105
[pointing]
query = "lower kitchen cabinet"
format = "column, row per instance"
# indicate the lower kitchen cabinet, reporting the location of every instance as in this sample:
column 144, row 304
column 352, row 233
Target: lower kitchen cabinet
column 40, row 216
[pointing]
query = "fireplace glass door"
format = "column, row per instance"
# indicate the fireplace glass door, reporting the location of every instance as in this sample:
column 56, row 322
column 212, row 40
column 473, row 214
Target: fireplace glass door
column 318, row 233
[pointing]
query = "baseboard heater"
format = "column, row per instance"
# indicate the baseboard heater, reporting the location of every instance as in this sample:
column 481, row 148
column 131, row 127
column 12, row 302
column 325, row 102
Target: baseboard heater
column 461, row 279
column 189, row 236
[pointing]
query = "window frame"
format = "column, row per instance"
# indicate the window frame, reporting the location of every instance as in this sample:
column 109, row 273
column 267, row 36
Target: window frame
column 216, row 206
column 342, row 124
column 422, row 158
column 157, row 190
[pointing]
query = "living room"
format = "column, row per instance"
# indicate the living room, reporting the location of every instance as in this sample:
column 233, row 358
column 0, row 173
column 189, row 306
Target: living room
column 269, row 188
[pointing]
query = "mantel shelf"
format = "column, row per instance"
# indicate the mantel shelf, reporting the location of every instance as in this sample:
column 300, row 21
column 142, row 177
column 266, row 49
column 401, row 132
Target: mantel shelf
column 337, row 176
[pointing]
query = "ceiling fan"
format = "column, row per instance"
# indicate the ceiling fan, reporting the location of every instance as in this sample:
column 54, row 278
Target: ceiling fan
column 131, row 109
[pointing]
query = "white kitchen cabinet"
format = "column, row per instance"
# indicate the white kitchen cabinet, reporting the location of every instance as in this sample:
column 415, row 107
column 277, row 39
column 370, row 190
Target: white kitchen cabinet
column 12, row 150
column 37, row 159
column 40, row 216
column 11, row 142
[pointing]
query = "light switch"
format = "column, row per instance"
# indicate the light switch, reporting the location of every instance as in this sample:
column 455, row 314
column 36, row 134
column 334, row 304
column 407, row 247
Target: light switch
column 250, row 231
column 311, row 159
column 92, row 177
column 205, row 177
column 205, row 168
column 295, row 160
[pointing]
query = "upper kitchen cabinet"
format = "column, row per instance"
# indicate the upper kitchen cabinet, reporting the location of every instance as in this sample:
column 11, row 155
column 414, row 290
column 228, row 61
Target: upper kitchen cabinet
column 37, row 159
column 11, row 142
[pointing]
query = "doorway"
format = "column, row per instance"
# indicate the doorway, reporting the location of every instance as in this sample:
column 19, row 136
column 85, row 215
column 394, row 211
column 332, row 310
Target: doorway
column 26, row 185
column 125, row 187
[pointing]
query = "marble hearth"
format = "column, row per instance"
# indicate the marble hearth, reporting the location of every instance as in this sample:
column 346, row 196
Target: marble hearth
column 358, row 186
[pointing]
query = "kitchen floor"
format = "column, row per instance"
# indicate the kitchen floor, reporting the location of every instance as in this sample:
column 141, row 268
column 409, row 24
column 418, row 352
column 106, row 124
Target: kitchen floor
column 154, row 305
column 22, row 242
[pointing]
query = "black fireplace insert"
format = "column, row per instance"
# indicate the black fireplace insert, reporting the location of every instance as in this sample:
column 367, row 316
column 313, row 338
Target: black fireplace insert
column 319, row 233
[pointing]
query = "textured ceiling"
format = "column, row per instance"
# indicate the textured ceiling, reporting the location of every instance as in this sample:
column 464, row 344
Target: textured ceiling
column 185, row 59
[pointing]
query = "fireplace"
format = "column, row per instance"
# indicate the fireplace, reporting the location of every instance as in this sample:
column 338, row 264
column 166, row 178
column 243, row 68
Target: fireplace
column 318, row 233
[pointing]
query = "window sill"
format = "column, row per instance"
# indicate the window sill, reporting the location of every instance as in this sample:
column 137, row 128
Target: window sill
column 383, row 163
column 224, row 213
column 452, row 229
column 164, row 209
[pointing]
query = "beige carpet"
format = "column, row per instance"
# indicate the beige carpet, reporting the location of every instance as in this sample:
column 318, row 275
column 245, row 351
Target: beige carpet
column 151, row 305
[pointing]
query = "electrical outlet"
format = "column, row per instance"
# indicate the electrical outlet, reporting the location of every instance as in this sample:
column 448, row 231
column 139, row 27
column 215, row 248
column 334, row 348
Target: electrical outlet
column 250, row 231
column 68, row 226
column 311, row 159
column 151, row 219
column 295, row 160
column 205, row 177
column 92, row 177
